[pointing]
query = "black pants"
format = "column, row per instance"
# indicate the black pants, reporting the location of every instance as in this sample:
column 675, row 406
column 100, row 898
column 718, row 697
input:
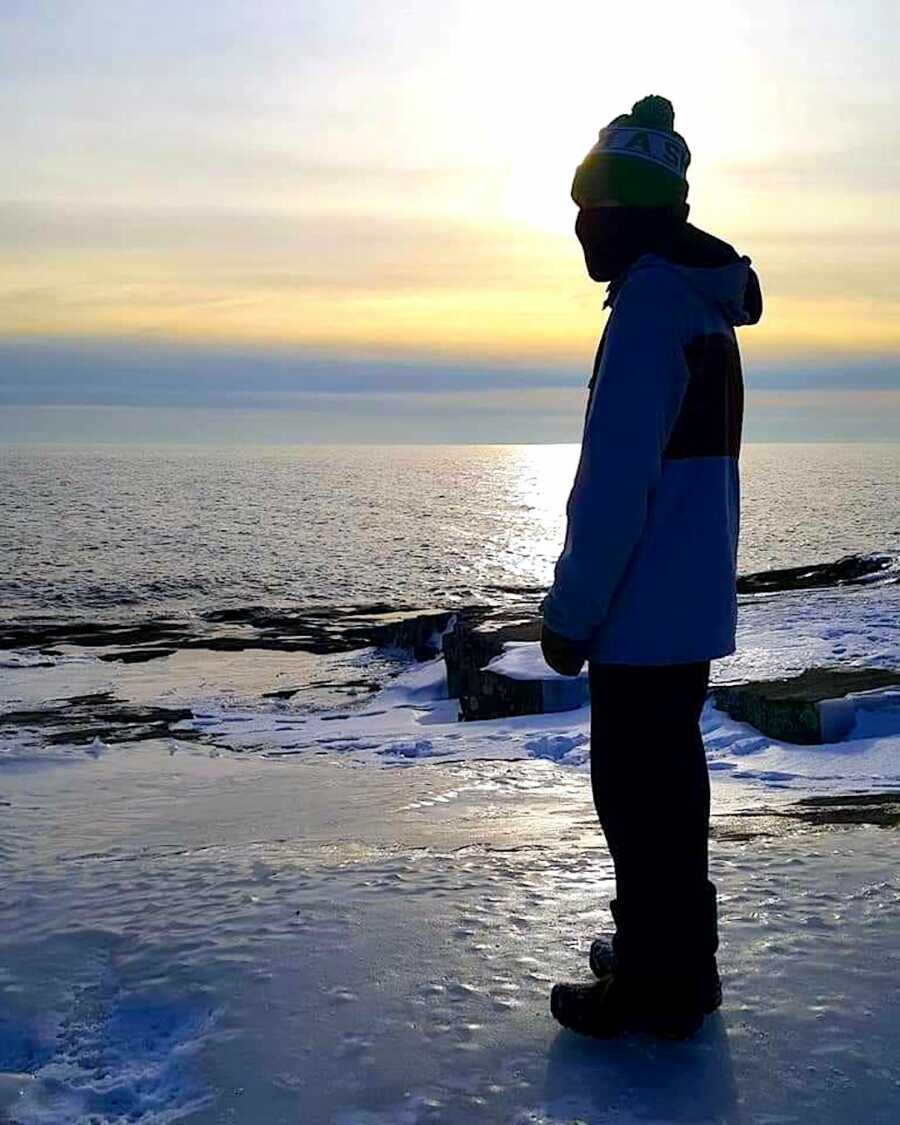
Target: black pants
column 651, row 789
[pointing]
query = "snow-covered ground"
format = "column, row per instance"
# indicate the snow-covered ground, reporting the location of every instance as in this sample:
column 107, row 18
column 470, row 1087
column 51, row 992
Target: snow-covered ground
column 353, row 914
column 779, row 635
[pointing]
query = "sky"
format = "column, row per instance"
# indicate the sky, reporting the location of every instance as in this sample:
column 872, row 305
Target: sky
column 342, row 221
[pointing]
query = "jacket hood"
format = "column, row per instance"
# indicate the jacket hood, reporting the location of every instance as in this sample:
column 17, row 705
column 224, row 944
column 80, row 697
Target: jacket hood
column 724, row 286
column 713, row 269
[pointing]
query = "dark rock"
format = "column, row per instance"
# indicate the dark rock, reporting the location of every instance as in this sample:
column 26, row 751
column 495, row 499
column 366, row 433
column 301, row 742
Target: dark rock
column 471, row 644
column 801, row 709
column 317, row 629
column 879, row 809
column 40, row 633
column 330, row 628
column 498, row 696
column 419, row 632
column 89, row 699
column 484, row 693
column 492, row 696
column 851, row 570
column 810, row 813
column 240, row 644
column 83, row 718
column 892, row 797
column 136, row 655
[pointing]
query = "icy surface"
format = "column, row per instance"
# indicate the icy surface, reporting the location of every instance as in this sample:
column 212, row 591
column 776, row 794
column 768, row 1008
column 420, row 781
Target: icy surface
column 209, row 940
column 267, row 929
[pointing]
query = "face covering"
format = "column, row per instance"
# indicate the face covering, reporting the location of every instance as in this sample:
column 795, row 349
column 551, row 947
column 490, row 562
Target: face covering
column 613, row 238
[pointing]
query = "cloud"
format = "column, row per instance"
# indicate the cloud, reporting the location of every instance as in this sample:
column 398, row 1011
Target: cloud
column 341, row 178
column 135, row 373
column 238, row 249
column 865, row 374
column 830, row 415
column 829, row 164
column 82, row 390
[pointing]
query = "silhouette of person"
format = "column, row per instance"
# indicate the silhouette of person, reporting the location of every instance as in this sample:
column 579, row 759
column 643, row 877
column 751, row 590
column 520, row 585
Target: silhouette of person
column 645, row 586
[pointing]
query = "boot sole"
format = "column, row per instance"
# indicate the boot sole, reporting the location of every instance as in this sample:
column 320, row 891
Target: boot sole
column 634, row 1023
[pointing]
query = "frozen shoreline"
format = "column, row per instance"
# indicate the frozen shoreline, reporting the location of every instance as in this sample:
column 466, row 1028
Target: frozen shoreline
column 234, row 698
column 188, row 938
column 244, row 920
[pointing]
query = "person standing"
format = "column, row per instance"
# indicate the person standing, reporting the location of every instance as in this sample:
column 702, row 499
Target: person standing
column 644, row 589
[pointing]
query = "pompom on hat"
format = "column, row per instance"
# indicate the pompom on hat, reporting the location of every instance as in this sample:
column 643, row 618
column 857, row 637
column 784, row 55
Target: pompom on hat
column 638, row 161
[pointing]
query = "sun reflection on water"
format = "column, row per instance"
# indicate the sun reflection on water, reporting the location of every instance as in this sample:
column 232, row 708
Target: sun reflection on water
column 534, row 481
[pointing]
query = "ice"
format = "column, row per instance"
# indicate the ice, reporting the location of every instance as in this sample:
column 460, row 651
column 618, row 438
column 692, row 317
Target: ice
column 876, row 714
column 9, row 659
column 354, row 914
column 260, row 940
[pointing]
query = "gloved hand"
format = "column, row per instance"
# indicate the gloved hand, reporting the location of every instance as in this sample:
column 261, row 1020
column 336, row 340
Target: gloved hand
column 561, row 653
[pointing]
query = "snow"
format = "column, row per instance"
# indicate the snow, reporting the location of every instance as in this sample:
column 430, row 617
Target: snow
column 782, row 634
column 417, row 727
column 522, row 660
column 414, row 719
column 859, row 764
column 353, row 913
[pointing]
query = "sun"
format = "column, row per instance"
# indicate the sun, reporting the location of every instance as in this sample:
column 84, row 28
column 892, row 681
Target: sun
column 540, row 88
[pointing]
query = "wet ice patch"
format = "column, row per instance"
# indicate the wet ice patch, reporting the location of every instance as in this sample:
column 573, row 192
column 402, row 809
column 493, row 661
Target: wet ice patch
column 12, row 659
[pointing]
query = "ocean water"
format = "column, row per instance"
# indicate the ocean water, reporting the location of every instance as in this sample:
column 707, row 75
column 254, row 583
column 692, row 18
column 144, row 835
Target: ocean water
column 114, row 530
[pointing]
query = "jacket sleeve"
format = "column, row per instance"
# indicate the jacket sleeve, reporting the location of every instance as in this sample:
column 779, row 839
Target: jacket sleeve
column 640, row 383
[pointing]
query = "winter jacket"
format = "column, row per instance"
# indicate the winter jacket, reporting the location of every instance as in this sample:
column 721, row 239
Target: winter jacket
column 647, row 574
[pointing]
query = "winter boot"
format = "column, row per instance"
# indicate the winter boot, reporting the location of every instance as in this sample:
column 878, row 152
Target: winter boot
column 602, row 959
column 617, row 1005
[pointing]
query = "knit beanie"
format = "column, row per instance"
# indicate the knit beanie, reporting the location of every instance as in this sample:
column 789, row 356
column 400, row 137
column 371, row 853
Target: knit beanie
column 638, row 161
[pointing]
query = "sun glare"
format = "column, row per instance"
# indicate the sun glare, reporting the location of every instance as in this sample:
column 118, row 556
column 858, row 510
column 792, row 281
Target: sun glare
column 543, row 88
